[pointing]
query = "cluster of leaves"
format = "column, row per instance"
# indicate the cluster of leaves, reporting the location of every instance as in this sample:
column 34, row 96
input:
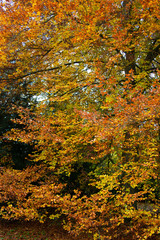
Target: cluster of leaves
column 81, row 83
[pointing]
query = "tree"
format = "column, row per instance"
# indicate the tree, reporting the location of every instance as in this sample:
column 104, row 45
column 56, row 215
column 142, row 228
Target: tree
column 95, row 67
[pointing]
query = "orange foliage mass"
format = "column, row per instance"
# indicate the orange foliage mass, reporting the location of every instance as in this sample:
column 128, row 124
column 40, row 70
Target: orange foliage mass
column 92, row 68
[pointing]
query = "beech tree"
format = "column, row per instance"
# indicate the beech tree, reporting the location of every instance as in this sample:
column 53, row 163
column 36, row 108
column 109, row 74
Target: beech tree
column 94, row 68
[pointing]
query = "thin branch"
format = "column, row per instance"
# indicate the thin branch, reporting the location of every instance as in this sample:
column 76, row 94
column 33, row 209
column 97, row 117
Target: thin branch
column 153, row 54
column 52, row 69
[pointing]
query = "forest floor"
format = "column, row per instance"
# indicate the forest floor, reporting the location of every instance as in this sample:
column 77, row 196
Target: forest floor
column 19, row 230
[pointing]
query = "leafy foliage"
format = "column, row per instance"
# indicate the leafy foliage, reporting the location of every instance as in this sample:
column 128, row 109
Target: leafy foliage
column 92, row 69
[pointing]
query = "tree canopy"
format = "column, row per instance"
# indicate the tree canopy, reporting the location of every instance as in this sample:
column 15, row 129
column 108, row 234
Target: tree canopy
column 80, row 80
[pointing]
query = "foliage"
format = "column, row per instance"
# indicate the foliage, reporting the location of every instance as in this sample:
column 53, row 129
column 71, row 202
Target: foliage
column 92, row 68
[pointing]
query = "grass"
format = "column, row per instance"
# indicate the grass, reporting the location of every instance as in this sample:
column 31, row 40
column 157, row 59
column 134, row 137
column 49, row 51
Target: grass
column 34, row 231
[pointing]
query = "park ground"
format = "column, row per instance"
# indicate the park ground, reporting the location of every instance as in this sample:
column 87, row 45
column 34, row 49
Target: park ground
column 34, row 231
column 20, row 230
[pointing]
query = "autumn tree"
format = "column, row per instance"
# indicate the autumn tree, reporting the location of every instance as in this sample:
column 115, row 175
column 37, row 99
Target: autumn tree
column 94, row 66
